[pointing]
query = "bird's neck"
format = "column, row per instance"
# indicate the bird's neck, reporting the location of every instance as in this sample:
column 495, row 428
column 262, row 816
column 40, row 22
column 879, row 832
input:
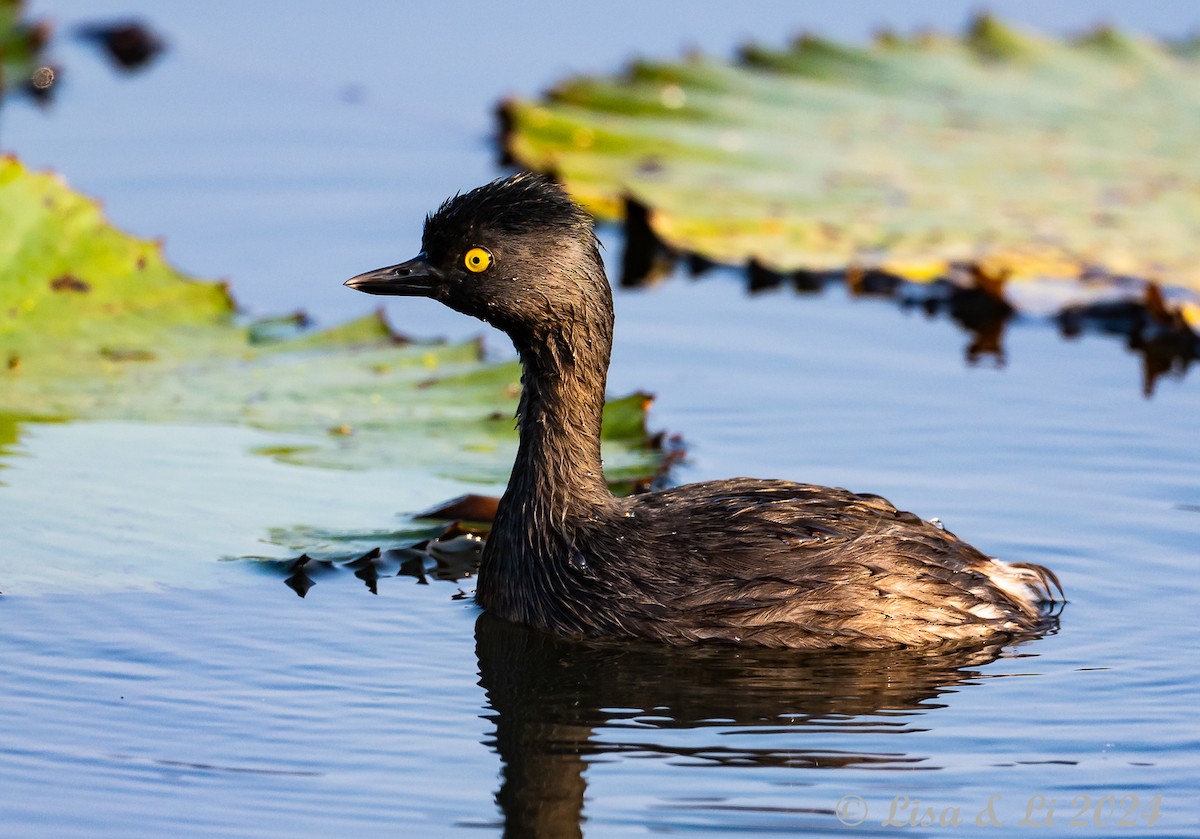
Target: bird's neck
column 558, row 466
column 557, row 484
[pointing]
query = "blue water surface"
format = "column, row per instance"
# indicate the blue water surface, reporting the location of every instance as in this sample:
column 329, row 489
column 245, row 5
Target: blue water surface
column 182, row 692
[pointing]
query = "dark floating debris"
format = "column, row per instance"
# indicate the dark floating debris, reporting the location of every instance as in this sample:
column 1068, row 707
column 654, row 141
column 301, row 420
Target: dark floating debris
column 452, row 555
column 761, row 278
column 975, row 301
column 646, row 259
column 300, row 578
column 698, row 265
column 812, row 282
column 128, row 44
column 40, row 86
column 505, row 131
column 872, row 282
column 1152, row 327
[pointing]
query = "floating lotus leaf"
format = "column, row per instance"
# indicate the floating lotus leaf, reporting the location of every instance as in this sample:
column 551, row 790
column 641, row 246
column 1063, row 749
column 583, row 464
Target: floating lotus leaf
column 1023, row 155
column 94, row 324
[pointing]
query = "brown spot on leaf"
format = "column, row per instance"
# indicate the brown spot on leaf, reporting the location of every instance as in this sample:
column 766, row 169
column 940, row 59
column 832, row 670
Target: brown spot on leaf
column 69, row 283
column 119, row 354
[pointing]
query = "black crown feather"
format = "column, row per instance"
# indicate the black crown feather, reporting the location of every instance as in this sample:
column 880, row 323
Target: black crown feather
column 515, row 205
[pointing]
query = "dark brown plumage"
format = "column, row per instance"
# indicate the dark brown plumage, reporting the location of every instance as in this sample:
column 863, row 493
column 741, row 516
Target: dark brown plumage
column 745, row 561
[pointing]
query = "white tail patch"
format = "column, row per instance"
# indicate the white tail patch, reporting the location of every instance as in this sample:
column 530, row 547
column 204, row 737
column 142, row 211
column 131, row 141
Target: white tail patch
column 1026, row 585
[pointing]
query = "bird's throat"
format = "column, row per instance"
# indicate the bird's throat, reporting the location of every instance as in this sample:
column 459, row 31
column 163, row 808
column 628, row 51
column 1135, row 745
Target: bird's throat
column 560, row 421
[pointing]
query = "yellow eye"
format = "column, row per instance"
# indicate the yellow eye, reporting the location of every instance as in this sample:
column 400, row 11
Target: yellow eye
column 477, row 260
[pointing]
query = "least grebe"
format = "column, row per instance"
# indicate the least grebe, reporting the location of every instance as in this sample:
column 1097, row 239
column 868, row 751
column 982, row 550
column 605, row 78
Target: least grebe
column 761, row 562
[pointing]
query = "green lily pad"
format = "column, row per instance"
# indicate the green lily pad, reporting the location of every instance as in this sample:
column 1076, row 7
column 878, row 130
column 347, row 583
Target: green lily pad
column 1028, row 156
column 95, row 324
column 76, row 294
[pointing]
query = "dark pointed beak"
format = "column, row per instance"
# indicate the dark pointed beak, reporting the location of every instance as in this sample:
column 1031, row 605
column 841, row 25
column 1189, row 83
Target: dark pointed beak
column 415, row 278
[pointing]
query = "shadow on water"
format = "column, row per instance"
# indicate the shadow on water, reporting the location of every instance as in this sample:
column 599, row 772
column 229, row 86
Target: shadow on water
column 551, row 697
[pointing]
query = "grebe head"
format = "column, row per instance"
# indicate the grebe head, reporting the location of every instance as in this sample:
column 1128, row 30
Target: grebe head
column 517, row 253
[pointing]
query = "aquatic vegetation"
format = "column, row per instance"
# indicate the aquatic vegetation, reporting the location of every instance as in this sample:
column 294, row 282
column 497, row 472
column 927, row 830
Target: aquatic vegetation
column 1012, row 155
column 96, row 324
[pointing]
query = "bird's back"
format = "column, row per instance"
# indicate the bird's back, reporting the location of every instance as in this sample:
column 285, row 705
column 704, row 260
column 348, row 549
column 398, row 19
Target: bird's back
column 781, row 564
